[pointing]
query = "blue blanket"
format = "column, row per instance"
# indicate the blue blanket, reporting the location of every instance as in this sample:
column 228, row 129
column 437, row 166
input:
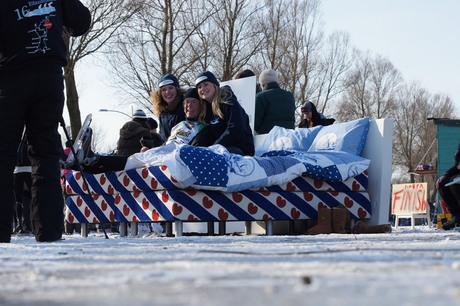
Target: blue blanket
column 214, row 168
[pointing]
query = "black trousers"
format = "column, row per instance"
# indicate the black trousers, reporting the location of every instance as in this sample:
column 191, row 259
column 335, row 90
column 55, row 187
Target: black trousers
column 105, row 163
column 23, row 195
column 451, row 196
column 35, row 100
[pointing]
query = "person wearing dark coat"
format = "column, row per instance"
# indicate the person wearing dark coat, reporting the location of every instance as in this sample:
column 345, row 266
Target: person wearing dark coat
column 131, row 134
column 33, row 53
column 274, row 105
column 228, row 120
column 311, row 117
column 450, row 192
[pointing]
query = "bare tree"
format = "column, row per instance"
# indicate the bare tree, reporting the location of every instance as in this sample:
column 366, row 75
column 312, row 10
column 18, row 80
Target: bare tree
column 335, row 62
column 107, row 18
column 371, row 89
column 159, row 42
column 235, row 39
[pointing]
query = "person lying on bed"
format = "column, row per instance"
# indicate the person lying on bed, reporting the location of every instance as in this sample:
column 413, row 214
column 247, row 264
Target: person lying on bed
column 193, row 131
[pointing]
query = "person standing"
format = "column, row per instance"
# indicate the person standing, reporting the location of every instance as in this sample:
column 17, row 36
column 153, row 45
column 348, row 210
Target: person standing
column 168, row 104
column 274, row 105
column 32, row 57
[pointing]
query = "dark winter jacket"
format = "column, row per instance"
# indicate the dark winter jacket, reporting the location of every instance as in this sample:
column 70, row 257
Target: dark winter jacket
column 169, row 119
column 274, row 106
column 130, row 138
column 31, row 33
column 234, row 129
column 316, row 118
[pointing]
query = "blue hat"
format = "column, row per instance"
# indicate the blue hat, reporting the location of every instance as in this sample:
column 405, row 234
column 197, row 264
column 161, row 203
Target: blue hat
column 191, row 93
column 168, row 79
column 139, row 114
column 207, row 76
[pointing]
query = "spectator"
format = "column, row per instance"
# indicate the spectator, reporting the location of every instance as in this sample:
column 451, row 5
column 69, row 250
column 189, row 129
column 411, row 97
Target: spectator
column 274, row 106
column 229, row 123
column 132, row 132
column 248, row 73
column 449, row 189
column 32, row 55
column 311, row 117
column 167, row 102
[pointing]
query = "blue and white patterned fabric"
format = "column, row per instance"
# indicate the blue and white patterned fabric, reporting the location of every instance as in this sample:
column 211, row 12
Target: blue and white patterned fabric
column 214, row 168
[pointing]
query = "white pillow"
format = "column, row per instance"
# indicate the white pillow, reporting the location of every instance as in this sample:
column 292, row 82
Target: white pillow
column 280, row 138
column 346, row 136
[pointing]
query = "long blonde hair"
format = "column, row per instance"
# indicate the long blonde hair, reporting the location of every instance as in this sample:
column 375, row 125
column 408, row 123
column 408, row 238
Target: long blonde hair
column 222, row 95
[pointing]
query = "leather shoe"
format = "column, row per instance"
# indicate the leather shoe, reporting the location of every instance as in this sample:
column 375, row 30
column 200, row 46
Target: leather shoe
column 455, row 222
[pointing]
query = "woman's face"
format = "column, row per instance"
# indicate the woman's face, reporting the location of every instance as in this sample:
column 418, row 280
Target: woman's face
column 307, row 114
column 206, row 90
column 168, row 93
column 192, row 108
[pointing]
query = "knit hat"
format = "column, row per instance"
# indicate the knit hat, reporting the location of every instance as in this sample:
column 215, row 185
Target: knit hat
column 168, row 79
column 191, row 93
column 207, row 76
column 268, row 76
column 139, row 114
column 152, row 123
column 307, row 107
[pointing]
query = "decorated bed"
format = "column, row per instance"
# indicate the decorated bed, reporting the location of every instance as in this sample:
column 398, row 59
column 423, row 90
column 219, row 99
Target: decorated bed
column 293, row 173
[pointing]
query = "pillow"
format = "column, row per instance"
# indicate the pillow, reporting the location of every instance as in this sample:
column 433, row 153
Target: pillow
column 280, row 138
column 346, row 136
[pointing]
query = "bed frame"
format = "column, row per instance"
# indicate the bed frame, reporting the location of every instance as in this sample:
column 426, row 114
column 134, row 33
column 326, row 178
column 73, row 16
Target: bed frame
column 150, row 195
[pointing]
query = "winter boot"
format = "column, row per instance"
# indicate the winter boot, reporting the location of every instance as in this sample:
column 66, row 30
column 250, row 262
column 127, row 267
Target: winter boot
column 340, row 219
column 362, row 228
column 324, row 225
column 455, row 222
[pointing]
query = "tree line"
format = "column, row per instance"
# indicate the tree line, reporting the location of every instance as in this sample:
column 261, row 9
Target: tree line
column 143, row 39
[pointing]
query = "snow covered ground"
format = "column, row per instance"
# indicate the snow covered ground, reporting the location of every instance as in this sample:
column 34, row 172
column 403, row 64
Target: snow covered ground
column 418, row 266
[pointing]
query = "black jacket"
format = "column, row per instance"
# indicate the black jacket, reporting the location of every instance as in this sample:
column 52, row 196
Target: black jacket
column 31, row 33
column 234, row 130
column 169, row 119
column 130, row 138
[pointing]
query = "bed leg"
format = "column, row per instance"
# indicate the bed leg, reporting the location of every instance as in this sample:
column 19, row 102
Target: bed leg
column 210, row 228
column 123, row 229
column 222, row 228
column 134, row 229
column 84, row 230
column 269, row 227
column 169, row 229
column 247, row 226
column 178, row 224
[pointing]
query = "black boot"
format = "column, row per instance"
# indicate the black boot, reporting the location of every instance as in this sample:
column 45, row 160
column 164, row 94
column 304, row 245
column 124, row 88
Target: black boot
column 455, row 222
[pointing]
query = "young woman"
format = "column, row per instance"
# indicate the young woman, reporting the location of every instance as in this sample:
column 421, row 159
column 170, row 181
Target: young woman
column 311, row 117
column 228, row 123
column 167, row 102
